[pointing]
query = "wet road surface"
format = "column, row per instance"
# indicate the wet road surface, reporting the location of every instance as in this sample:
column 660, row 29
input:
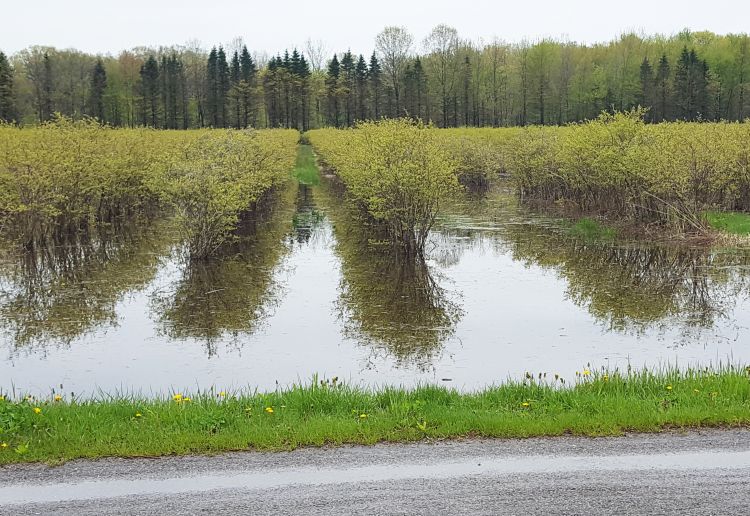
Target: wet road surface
column 706, row 472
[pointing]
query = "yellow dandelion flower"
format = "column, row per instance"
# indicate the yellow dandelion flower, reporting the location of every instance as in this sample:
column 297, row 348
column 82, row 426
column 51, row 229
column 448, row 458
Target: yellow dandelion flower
column 186, row 400
column 37, row 410
column 2, row 398
column 138, row 414
column 586, row 372
column 58, row 397
column 222, row 394
column 269, row 410
column 669, row 387
column 177, row 397
column 3, row 445
column 363, row 416
column 605, row 378
column 525, row 404
column 696, row 391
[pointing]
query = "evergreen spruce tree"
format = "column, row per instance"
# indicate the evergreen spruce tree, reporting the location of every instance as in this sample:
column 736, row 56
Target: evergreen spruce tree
column 212, row 88
column 301, row 78
column 467, row 88
column 360, row 74
column 691, row 87
column 375, row 77
column 702, row 95
column 45, row 101
column 420, row 87
column 683, row 87
column 235, row 76
column 346, row 84
column 247, row 86
column 332, row 93
column 172, row 94
column 285, row 81
column 268, row 80
column 150, row 93
column 647, row 93
column 295, row 92
column 7, row 102
column 96, row 93
column 222, row 87
column 662, row 90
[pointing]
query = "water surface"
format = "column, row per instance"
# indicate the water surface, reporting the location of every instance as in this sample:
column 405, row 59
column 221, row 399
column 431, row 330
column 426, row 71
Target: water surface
column 502, row 292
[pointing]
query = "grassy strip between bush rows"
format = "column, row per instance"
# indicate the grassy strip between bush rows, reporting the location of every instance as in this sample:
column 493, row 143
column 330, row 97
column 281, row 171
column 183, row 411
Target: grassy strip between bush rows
column 331, row 413
column 733, row 223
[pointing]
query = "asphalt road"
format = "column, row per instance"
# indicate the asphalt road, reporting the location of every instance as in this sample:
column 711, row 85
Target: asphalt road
column 705, row 472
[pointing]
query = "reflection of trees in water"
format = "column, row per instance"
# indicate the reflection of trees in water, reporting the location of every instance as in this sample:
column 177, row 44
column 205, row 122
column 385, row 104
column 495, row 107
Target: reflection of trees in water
column 228, row 295
column 625, row 286
column 392, row 304
column 634, row 286
column 306, row 216
column 57, row 294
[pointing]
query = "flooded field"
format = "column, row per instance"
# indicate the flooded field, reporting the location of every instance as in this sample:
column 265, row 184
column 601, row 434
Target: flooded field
column 503, row 292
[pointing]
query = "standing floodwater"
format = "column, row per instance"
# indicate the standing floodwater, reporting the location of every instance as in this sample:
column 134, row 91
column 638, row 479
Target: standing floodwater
column 312, row 290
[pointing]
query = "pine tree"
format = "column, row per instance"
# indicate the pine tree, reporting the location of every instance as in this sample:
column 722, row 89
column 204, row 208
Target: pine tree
column 7, row 103
column 332, row 86
column 173, row 95
column 301, row 74
column 420, row 85
column 212, row 89
column 45, row 100
column 646, row 97
column 247, row 87
column 222, row 87
column 691, row 86
column 375, row 77
column 346, row 83
column 467, row 87
column 96, row 93
column 360, row 74
column 235, row 76
column 150, row 92
column 662, row 90
column 683, row 86
column 269, row 80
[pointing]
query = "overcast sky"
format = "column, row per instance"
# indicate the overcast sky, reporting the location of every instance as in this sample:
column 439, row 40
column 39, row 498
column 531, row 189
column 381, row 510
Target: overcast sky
column 102, row 26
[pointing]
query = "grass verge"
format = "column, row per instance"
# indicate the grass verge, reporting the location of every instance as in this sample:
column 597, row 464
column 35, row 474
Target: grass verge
column 324, row 413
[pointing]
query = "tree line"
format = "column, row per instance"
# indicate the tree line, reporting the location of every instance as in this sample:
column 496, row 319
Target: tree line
column 445, row 79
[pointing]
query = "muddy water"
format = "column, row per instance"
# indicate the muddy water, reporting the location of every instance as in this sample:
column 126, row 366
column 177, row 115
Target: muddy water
column 503, row 292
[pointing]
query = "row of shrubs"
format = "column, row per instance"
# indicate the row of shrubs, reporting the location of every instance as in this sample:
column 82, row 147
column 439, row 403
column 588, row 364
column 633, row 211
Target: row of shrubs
column 64, row 177
column 668, row 173
column 399, row 171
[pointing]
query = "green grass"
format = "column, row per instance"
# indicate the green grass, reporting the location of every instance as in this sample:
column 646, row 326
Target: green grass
column 331, row 413
column 306, row 170
column 734, row 223
column 589, row 229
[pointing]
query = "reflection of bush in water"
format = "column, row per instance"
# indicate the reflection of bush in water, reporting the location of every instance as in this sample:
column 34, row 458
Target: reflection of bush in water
column 306, row 217
column 230, row 293
column 57, row 294
column 390, row 303
column 626, row 286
